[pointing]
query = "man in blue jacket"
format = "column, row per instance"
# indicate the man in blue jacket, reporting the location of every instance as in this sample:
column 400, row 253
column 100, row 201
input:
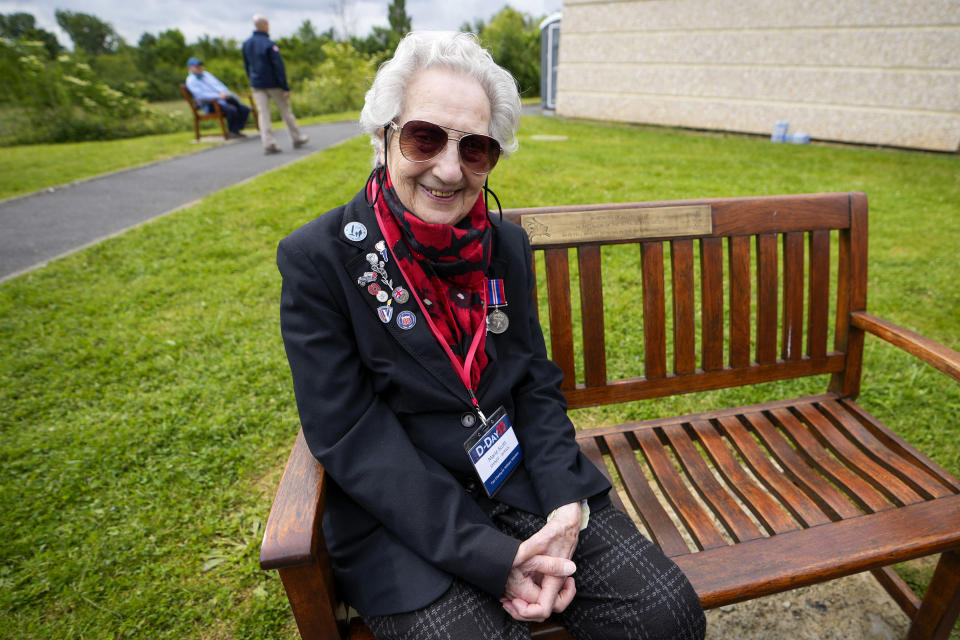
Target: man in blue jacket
column 268, row 79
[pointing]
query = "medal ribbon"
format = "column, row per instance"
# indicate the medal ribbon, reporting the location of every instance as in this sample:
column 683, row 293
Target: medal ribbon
column 463, row 371
column 495, row 295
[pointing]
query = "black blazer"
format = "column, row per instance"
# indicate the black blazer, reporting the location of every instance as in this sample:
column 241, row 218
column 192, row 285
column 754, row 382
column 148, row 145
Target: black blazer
column 381, row 409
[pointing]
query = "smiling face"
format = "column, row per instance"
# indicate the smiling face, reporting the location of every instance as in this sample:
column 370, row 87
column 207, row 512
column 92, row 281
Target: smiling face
column 440, row 190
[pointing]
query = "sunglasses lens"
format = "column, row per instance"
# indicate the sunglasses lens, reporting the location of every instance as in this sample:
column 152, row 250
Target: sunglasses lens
column 479, row 153
column 420, row 141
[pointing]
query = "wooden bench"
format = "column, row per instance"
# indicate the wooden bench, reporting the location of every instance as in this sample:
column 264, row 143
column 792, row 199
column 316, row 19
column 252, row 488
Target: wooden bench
column 196, row 108
column 751, row 500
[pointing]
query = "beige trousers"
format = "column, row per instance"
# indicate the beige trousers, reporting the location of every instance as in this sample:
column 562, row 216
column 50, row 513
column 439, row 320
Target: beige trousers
column 262, row 99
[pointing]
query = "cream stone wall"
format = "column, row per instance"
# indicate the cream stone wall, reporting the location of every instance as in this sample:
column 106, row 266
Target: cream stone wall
column 867, row 71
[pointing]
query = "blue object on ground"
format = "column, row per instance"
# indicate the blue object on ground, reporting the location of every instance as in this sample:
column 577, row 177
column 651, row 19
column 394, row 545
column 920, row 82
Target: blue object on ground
column 779, row 131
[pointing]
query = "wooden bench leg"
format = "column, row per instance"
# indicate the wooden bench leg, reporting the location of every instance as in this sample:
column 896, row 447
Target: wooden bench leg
column 306, row 588
column 899, row 590
column 941, row 606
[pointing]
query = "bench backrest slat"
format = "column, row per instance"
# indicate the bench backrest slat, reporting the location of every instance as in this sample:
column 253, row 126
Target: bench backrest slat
column 711, row 279
column 591, row 304
column 654, row 315
column 558, row 295
column 728, row 292
column 818, row 309
column 793, row 272
column 684, row 339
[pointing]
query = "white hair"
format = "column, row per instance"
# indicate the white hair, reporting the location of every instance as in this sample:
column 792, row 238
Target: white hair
column 458, row 52
column 259, row 20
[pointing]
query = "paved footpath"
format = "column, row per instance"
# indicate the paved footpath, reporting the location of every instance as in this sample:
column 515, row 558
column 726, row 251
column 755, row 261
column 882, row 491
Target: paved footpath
column 40, row 227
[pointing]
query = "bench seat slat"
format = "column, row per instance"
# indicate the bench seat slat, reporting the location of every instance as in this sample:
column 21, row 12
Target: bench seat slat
column 885, row 482
column 738, row 525
column 918, row 478
column 779, row 563
column 654, row 516
column 897, row 444
column 796, row 501
column 824, row 494
column 859, row 489
column 592, row 451
column 704, row 531
column 762, row 505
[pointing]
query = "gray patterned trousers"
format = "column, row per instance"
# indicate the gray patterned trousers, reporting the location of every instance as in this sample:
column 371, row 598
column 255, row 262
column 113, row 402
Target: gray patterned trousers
column 626, row 589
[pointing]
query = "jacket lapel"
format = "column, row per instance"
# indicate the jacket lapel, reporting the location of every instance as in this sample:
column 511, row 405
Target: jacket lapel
column 374, row 273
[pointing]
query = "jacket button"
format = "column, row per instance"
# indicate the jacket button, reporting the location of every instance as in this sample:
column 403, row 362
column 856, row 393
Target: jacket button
column 468, row 420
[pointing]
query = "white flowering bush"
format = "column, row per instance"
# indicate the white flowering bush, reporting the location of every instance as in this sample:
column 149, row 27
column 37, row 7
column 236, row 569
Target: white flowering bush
column 62, row 100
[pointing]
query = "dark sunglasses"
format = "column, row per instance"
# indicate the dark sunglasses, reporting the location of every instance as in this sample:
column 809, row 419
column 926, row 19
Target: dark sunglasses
column 421, row 141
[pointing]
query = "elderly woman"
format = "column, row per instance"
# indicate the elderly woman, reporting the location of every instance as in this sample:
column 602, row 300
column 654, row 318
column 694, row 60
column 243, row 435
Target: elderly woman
column 459, row 503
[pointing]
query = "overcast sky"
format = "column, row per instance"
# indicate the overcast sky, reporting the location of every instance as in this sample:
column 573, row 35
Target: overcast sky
column 231, row 18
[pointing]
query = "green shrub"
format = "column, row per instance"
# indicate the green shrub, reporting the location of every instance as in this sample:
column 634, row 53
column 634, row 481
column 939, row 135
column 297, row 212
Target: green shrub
column 340, row 82
column 63, row 100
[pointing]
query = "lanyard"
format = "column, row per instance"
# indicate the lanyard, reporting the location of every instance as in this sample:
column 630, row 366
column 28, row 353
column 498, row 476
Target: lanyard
column 463, row 370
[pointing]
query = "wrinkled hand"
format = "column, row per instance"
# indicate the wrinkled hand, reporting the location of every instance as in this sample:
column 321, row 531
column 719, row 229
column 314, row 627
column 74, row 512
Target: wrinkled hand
column 541, row 581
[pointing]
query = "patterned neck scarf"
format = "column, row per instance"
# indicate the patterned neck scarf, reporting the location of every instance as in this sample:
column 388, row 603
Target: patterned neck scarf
column 445, row 265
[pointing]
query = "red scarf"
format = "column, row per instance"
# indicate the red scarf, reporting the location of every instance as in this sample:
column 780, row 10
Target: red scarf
column 445, row 265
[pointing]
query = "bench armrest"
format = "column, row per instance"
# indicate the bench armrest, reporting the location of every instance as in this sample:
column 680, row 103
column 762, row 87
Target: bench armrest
column 293, row 536
column 933, row 353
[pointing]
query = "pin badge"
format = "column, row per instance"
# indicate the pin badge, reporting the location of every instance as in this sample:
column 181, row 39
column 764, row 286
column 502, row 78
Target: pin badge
column 406, row 320
column 373, row 288
column 366, row 278
column 401, row 295
column 356, row 231
column 382, row 296
column 385, row 312
column 381, row 246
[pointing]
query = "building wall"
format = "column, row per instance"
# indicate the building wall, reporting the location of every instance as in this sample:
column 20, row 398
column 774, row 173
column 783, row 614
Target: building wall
column 867, row 71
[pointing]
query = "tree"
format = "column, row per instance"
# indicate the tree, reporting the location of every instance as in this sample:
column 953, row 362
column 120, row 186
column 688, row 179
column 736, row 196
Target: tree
column 476, row 27
column 400, row 22
column 15, row 25
column 88, row 33
column 513, row 39
column 23, row 26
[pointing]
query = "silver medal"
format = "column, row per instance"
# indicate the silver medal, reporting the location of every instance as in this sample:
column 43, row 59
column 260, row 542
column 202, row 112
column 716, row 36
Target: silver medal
column 497, row 321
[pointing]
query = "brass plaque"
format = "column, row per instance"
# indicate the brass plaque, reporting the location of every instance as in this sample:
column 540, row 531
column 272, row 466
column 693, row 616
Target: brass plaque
column 618, row 224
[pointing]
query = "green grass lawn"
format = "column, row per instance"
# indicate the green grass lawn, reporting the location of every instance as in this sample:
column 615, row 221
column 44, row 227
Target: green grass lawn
column 28, row 168
column 146, row 404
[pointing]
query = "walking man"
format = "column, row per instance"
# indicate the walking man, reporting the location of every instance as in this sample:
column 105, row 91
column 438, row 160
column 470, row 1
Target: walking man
column 268, row 79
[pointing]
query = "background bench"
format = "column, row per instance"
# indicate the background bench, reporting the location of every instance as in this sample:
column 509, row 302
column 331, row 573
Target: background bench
column 750, row 500
column 199, row 114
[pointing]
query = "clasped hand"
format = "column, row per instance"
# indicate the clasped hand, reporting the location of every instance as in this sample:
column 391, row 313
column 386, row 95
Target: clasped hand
column 541, row 581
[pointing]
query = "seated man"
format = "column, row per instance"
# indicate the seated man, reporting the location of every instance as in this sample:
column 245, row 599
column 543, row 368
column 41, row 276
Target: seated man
column 205, row 87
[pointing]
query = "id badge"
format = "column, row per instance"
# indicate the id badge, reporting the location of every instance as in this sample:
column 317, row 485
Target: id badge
column 494, row 451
